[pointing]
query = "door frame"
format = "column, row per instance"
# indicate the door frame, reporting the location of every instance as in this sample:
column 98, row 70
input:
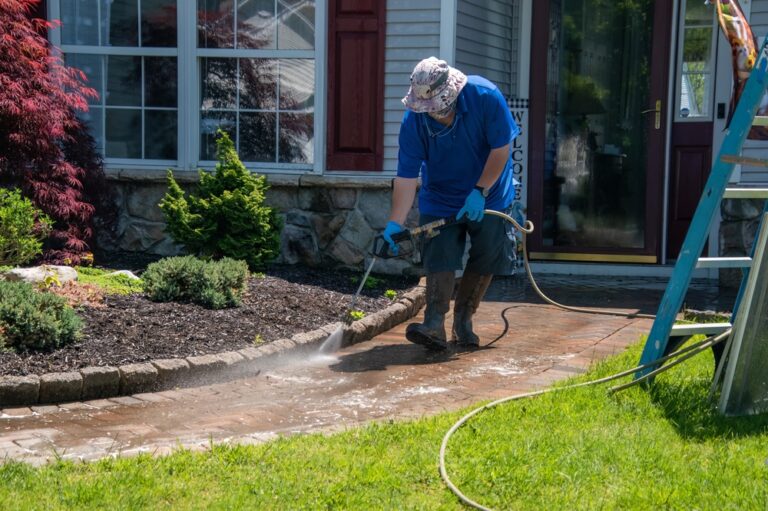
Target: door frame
column 663, row 26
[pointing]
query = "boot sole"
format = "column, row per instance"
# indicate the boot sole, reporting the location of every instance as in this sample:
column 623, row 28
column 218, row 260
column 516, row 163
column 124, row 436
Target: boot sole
column 428, row 342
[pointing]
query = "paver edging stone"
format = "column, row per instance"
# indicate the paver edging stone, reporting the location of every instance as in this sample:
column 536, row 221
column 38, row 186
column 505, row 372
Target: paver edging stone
column 100, row 382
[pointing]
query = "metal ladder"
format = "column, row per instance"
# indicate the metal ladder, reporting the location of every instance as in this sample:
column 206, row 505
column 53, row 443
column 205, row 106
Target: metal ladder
column 664, row 329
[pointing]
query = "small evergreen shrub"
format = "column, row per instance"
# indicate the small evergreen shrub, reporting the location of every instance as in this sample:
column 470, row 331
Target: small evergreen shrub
column 226, row 215
column 22, row 229
column 33, row 320
column 212, row 284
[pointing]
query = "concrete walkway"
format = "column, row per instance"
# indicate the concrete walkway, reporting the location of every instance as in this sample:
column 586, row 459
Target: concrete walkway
column 384, row 378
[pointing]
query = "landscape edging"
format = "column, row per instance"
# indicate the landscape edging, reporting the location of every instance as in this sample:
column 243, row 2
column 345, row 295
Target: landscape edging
column 103, row 382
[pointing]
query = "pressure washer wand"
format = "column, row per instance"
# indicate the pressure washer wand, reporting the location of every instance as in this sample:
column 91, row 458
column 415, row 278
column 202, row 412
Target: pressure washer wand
column 382, row 249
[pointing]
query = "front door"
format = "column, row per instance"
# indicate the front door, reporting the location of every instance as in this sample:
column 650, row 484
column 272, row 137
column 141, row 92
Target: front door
column 599, row 87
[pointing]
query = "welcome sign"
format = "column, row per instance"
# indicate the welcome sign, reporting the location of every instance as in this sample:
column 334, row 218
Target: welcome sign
column 518, row 107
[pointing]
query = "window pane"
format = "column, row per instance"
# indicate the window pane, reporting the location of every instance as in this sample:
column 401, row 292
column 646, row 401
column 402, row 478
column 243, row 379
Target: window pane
column 158, row 23
column 296, row 28
column 91, row 66
column 698, row 46
column 218, row 88
column 120, row 23
column 256, row 24
column 257, row 137
column 123, row 131
column 123, row 80
column 698, row 12
column 296, row 138
column 210, row 122
column 94, row 120
column 215, row 21
column 160, row 81
column 160, row 129
column 297, row 84
column 80, row 22
column 258, row 84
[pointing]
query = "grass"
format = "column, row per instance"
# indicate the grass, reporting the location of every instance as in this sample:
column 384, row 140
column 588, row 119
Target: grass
column 115, row 284
column 660, row 449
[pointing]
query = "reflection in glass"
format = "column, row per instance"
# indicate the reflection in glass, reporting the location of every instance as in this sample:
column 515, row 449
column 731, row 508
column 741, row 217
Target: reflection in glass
column 91, row 66
column 595, row 159
column 94, row 120
column 297, row 84
column 296, row 138
column 256, row 24
column 160, row 79
column 123, row 80
column 79, row 22
column 258, row 84
column 296, row 25
column 123, row 131
column 120, row 22
column 160, row 134
column 215, row 24
column 218, row 87
column 210, row 122
column 257, row 137
column 696, row 66
column 158, row 23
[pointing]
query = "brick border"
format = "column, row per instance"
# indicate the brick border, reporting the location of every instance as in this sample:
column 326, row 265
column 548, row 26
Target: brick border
column 99, row 382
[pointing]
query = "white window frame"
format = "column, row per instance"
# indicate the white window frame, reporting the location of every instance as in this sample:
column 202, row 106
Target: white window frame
column 188, row 88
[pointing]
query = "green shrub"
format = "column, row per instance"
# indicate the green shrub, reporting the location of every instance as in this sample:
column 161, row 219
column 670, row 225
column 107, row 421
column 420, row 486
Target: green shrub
column 212, row 284
column 22, row 228
column 226, row 215
column 32, row 320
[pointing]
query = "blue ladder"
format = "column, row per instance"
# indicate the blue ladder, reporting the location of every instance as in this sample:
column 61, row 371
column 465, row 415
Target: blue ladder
column 715, row 189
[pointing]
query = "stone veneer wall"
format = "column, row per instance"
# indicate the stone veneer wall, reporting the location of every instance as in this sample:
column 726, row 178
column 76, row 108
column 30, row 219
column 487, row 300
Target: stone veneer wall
column 740, row 219
column 329, row 221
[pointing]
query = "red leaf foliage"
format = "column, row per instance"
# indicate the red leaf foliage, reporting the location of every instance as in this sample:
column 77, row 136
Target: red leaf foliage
column 44, row 148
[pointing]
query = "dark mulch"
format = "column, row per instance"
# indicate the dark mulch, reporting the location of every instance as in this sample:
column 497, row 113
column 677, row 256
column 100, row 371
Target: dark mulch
column 131, row 329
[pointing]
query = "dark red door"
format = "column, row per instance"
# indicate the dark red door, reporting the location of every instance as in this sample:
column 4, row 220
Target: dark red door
column 355, row 84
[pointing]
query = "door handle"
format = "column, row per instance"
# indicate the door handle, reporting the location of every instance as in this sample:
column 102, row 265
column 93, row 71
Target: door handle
column 657, row 110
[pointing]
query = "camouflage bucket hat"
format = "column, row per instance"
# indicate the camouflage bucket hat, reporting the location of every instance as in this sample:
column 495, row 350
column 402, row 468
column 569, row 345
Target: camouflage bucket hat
column 434, row 86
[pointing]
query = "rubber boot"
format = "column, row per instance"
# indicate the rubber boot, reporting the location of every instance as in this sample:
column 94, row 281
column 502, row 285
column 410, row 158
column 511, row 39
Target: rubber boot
column 431, row 333
column 471, row 290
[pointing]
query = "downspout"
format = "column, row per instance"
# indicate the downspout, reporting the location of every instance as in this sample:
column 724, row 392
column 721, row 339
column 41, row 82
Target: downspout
column 448, row 13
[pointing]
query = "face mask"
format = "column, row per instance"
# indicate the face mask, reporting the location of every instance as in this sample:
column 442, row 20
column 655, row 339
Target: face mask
column 445, row 112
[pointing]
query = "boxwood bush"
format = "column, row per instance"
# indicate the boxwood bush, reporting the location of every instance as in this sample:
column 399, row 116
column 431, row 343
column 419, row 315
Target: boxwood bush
column 212, row 284
column 35, row 320
column 22, row 228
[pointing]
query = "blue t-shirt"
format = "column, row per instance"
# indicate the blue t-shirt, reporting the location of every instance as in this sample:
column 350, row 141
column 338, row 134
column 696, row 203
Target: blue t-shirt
column 451, row 158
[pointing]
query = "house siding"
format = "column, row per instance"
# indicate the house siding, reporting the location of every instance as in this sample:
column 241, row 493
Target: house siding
column 413, row 33
column 754, row 176
column 487, row 41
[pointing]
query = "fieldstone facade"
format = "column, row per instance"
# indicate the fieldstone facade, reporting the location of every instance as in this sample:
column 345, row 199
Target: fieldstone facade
column 740, row 219
column 328, row 220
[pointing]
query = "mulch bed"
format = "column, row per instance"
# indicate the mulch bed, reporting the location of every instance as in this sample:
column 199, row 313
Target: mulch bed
column 131, row 329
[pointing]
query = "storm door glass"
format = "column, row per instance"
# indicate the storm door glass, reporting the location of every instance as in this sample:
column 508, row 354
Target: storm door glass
column 597, row 106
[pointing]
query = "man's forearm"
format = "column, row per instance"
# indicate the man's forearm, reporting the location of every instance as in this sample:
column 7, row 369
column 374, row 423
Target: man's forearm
column 403, row 193
column 494, row 166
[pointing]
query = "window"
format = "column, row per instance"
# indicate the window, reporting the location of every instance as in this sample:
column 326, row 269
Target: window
column 170, row 73
column 696, row 62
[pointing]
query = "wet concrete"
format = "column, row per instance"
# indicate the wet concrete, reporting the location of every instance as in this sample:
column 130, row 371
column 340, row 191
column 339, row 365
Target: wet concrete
column 385, row 378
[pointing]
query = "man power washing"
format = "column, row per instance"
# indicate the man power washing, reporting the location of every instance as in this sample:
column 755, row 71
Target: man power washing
column 456, row 134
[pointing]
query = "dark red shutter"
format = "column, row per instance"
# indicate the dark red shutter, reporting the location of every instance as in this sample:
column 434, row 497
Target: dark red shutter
column 356, row 32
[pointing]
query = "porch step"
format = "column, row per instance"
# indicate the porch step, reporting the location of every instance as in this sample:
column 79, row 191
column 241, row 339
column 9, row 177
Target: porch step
column 699, row 328
column 724, row 262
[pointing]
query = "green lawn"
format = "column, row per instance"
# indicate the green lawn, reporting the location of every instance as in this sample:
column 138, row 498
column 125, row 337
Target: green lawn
column 580, row 449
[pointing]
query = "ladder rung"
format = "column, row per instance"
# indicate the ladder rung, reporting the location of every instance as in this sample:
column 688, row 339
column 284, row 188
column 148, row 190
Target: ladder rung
column 746, row 193
column 724, row 262
column 753, row 162
column 699, row 328
column 760, row 120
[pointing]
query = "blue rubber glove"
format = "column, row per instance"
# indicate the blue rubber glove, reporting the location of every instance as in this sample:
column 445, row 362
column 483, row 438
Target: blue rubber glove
column 473, row 207
column 392, row 228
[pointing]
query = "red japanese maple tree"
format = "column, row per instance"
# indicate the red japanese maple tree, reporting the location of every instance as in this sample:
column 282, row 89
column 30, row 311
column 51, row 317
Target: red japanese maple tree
column 44, row 148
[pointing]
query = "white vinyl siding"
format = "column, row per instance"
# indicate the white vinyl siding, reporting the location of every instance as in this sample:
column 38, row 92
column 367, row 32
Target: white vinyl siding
column 413, row 33
column 758, row 20
column 487, row 41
